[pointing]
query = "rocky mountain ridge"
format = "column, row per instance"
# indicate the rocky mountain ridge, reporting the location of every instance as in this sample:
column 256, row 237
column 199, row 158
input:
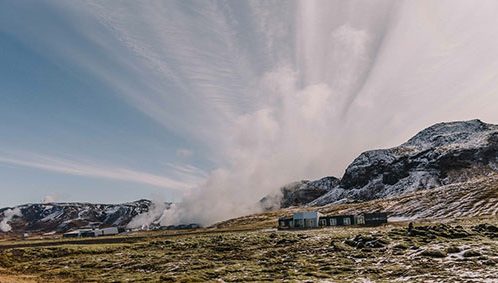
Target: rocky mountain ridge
column 476, row 198
column 62, row 217
column 442, row 154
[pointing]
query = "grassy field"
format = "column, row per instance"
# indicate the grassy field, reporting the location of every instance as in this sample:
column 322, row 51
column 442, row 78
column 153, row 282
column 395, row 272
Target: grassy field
column 463, row 250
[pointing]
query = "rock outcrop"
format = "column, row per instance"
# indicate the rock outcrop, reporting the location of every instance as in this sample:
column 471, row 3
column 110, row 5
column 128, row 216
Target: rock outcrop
column 298, row 193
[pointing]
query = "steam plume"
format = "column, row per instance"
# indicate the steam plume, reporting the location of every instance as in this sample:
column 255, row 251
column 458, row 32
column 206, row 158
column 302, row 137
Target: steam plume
column 336, row 78
column 7, row 217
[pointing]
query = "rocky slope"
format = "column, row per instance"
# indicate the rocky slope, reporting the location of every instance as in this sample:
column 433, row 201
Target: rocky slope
column 442, row 154
column 478, row 197
column 61, row 217
column 298, row 193
column 475, row 198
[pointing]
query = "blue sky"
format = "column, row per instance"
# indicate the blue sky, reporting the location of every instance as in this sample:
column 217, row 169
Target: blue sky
column 216, row 103
column 54, row 107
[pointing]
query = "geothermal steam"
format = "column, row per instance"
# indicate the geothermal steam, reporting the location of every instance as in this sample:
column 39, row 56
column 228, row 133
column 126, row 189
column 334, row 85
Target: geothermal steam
column 7, row 217
column 304, row 87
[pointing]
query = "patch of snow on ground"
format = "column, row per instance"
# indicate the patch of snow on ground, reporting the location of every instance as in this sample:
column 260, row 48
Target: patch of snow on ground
column 401, row 218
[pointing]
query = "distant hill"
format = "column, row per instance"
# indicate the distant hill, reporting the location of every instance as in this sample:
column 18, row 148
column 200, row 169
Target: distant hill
column 61, row 217
column 443, row 154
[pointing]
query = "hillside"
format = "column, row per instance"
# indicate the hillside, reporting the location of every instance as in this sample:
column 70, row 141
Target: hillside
column 445, row 153
column 466, row 199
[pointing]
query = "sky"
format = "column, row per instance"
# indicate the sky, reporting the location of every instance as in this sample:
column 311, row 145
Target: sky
column 214, row 104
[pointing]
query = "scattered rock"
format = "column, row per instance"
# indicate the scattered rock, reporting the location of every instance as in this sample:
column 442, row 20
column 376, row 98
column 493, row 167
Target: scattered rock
column 471, row 253
column 338, row 246
column 453, row 250
column 370, row 241
column 489, row 262
column 439, row 230
column 486, row 230
column 401, row 246
column 285, row 241
column 434, row 253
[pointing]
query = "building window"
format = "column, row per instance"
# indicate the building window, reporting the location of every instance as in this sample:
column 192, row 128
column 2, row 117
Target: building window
column 323, row 222
column 333, row 222
column 360, row 220
column 346, row 221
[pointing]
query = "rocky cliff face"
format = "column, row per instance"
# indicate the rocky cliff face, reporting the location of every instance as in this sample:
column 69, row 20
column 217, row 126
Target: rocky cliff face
column 298, row 193
column 61, row 217
column 442, row 154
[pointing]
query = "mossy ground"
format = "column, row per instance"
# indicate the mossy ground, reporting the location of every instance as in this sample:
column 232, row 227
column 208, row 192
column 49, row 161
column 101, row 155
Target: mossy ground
column 378, row 254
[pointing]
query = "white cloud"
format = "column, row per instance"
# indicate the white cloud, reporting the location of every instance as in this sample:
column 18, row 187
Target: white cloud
column 80, row 167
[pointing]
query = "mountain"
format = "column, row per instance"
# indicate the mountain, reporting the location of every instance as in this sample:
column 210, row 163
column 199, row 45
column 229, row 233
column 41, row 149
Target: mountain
column 475, row 198
column 445, row 153
column 446, row 169
column 62, row 217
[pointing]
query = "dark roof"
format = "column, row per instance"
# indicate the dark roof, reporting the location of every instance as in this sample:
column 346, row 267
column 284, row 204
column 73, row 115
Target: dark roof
column 342, row 215
column 285, row 218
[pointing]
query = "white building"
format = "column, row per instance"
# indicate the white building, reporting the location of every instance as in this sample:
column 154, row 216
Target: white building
column 93, row 232
column 305, row 219
column 109, row 231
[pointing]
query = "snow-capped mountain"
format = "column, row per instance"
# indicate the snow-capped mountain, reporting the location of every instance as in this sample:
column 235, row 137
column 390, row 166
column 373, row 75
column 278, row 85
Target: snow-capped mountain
column 442, row 154
column 61, row 217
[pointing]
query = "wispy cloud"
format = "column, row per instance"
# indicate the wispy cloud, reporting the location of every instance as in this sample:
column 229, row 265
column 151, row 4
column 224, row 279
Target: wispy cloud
column 79, row 167
column 206, row 78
